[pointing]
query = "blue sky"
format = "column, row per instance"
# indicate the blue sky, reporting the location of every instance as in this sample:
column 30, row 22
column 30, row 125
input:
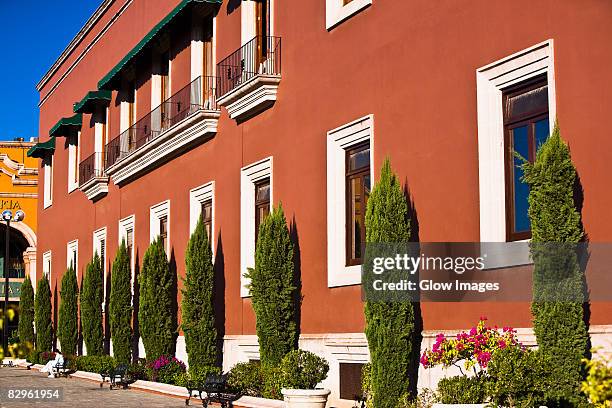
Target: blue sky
column 34, row 33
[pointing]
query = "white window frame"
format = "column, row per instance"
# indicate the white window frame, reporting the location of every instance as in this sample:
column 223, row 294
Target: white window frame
column 338, row 141
column 249, row 176
column 336, row 12
column 125, row 224
column 248, row 28
column 490, row 81
column 100, row 135
column 73, row 161
column 155, row 214
column 98, row 236
column 197, row 196
column 48, row 186
column 72, row 247
column 47, row 264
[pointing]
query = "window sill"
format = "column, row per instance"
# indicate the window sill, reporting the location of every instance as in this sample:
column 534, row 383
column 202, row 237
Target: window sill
column 251, row 97
column 197, row 127
column 337, row 13
column 95, row 188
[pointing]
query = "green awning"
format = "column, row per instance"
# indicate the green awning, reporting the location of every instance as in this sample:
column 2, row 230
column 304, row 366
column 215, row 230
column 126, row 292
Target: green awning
column 113, row 75
column 39, row 150
column 88, row 103
column 62, row 127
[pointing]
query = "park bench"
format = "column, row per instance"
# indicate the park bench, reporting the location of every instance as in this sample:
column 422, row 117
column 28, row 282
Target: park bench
column 117, row 377
column 214, row 389
column 62, row 369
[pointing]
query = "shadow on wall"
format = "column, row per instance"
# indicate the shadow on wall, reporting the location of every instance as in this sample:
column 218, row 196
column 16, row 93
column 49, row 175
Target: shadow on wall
column 232, row 5
column 297, row 277
column 219, row 298
column 55, row 306
column 106, row 315
column 174, row 307
column 136, row 304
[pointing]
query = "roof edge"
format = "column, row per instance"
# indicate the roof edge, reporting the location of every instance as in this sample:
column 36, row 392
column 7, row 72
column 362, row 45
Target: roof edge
column 74, row 42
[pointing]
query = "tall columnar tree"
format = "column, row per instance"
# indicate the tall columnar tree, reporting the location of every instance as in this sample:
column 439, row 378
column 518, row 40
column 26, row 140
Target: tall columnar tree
column 390, row 326
column 198, row 321
column 92, row 296
column 120, row 306
column 559, row 321
column 273, row 289
column 157, row 311
column 42, row 315
column 68, row 325
column 26, row 313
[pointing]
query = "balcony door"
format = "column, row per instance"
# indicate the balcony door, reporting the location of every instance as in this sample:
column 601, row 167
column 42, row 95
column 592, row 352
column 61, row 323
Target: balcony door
column 262, row 31
column 208, row 84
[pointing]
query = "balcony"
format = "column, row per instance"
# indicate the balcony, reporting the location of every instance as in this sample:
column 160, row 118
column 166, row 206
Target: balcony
column 186, row 118
column 93, row 180
column 249, row 78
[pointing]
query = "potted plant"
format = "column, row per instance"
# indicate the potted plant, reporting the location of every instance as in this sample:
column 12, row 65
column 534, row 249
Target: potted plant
column 470, row 352
column 301, row 371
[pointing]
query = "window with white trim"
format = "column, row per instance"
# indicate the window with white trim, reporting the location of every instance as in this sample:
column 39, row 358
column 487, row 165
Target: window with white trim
column 47, row 163
column 72, row 254
column 99, row 247
column 350, row 165
column 46, row 264
column 337, row 11
column 495, row 83
column 126, row 234
column 159, row 225
column 202, row 205
column 73, row 160
column 252, row 176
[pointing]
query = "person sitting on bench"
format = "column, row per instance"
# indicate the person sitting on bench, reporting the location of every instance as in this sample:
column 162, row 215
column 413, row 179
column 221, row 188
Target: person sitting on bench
column 58, row 361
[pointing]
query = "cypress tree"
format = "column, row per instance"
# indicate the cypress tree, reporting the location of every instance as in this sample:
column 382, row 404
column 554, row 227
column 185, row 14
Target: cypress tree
column 120, row 306
column 390, row 326
column 273, row 290
column 198, row 321
column 558, row 283
column 26, row 313
column 42, row 315
column 67, row 329
column 91, row 308
column 157, row 312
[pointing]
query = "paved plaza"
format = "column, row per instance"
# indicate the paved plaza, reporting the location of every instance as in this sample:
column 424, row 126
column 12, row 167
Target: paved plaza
column 77, row 392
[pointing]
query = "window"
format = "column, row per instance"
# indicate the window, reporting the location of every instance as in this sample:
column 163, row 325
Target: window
column 159, row 224
column 350, row 380
column 256, row 195
column 201, row 206
column 73, row 161
column 337, row 11
column 349, row 174
column 48, row 187
column 262, row 203
column 126, row 234
column 358, row 191
column 99, row 247
column 498, row 85
column 526, row 127
column 128, row 113
column 46, row 265
column 164, row 75
column 72, row 251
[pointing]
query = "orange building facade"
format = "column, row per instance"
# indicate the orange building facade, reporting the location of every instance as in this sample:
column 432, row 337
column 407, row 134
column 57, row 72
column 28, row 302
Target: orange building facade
column 154, row 115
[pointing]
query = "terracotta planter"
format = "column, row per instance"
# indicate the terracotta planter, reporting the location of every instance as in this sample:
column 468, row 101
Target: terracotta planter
column 305, row 398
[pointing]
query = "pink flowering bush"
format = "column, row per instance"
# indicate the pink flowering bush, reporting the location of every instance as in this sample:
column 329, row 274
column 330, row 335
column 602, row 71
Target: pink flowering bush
column 475, row 348
column 165, row 369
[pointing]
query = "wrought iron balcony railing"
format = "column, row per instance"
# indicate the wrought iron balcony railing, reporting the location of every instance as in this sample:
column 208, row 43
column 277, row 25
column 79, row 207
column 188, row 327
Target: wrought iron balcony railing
column 260, row 56
column 91, row 167
column 199, row 94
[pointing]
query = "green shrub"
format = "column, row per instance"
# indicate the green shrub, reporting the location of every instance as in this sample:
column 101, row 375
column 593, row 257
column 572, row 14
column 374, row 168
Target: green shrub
column 390, row 327
column 559, row 325
column 246, row 378
column 26, row 313
column 157, row 312
column 273, row 290
column 366, row 384
column 303, row 370
column 42, row 315
column 462, row 390
column 68, row 329
column 198, row 322
column 120, row 306
column 95, row 364
column 34, row 357
column 195, row 376
column 91, row 307
column 425, row 399
column 165, row 369
column 137, row 370
column 273, row 382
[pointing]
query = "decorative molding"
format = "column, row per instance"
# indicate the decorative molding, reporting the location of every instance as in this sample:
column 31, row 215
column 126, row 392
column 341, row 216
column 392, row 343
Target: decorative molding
column 155, row 214
column 200, row 124
column 338, row 140
column 251, row 97
column 19, row 195
column 490, row 81
column 95, row 188
column 336, row 11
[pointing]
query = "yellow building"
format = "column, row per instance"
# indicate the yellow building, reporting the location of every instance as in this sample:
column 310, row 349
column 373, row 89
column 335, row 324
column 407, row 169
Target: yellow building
column 18, row 191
